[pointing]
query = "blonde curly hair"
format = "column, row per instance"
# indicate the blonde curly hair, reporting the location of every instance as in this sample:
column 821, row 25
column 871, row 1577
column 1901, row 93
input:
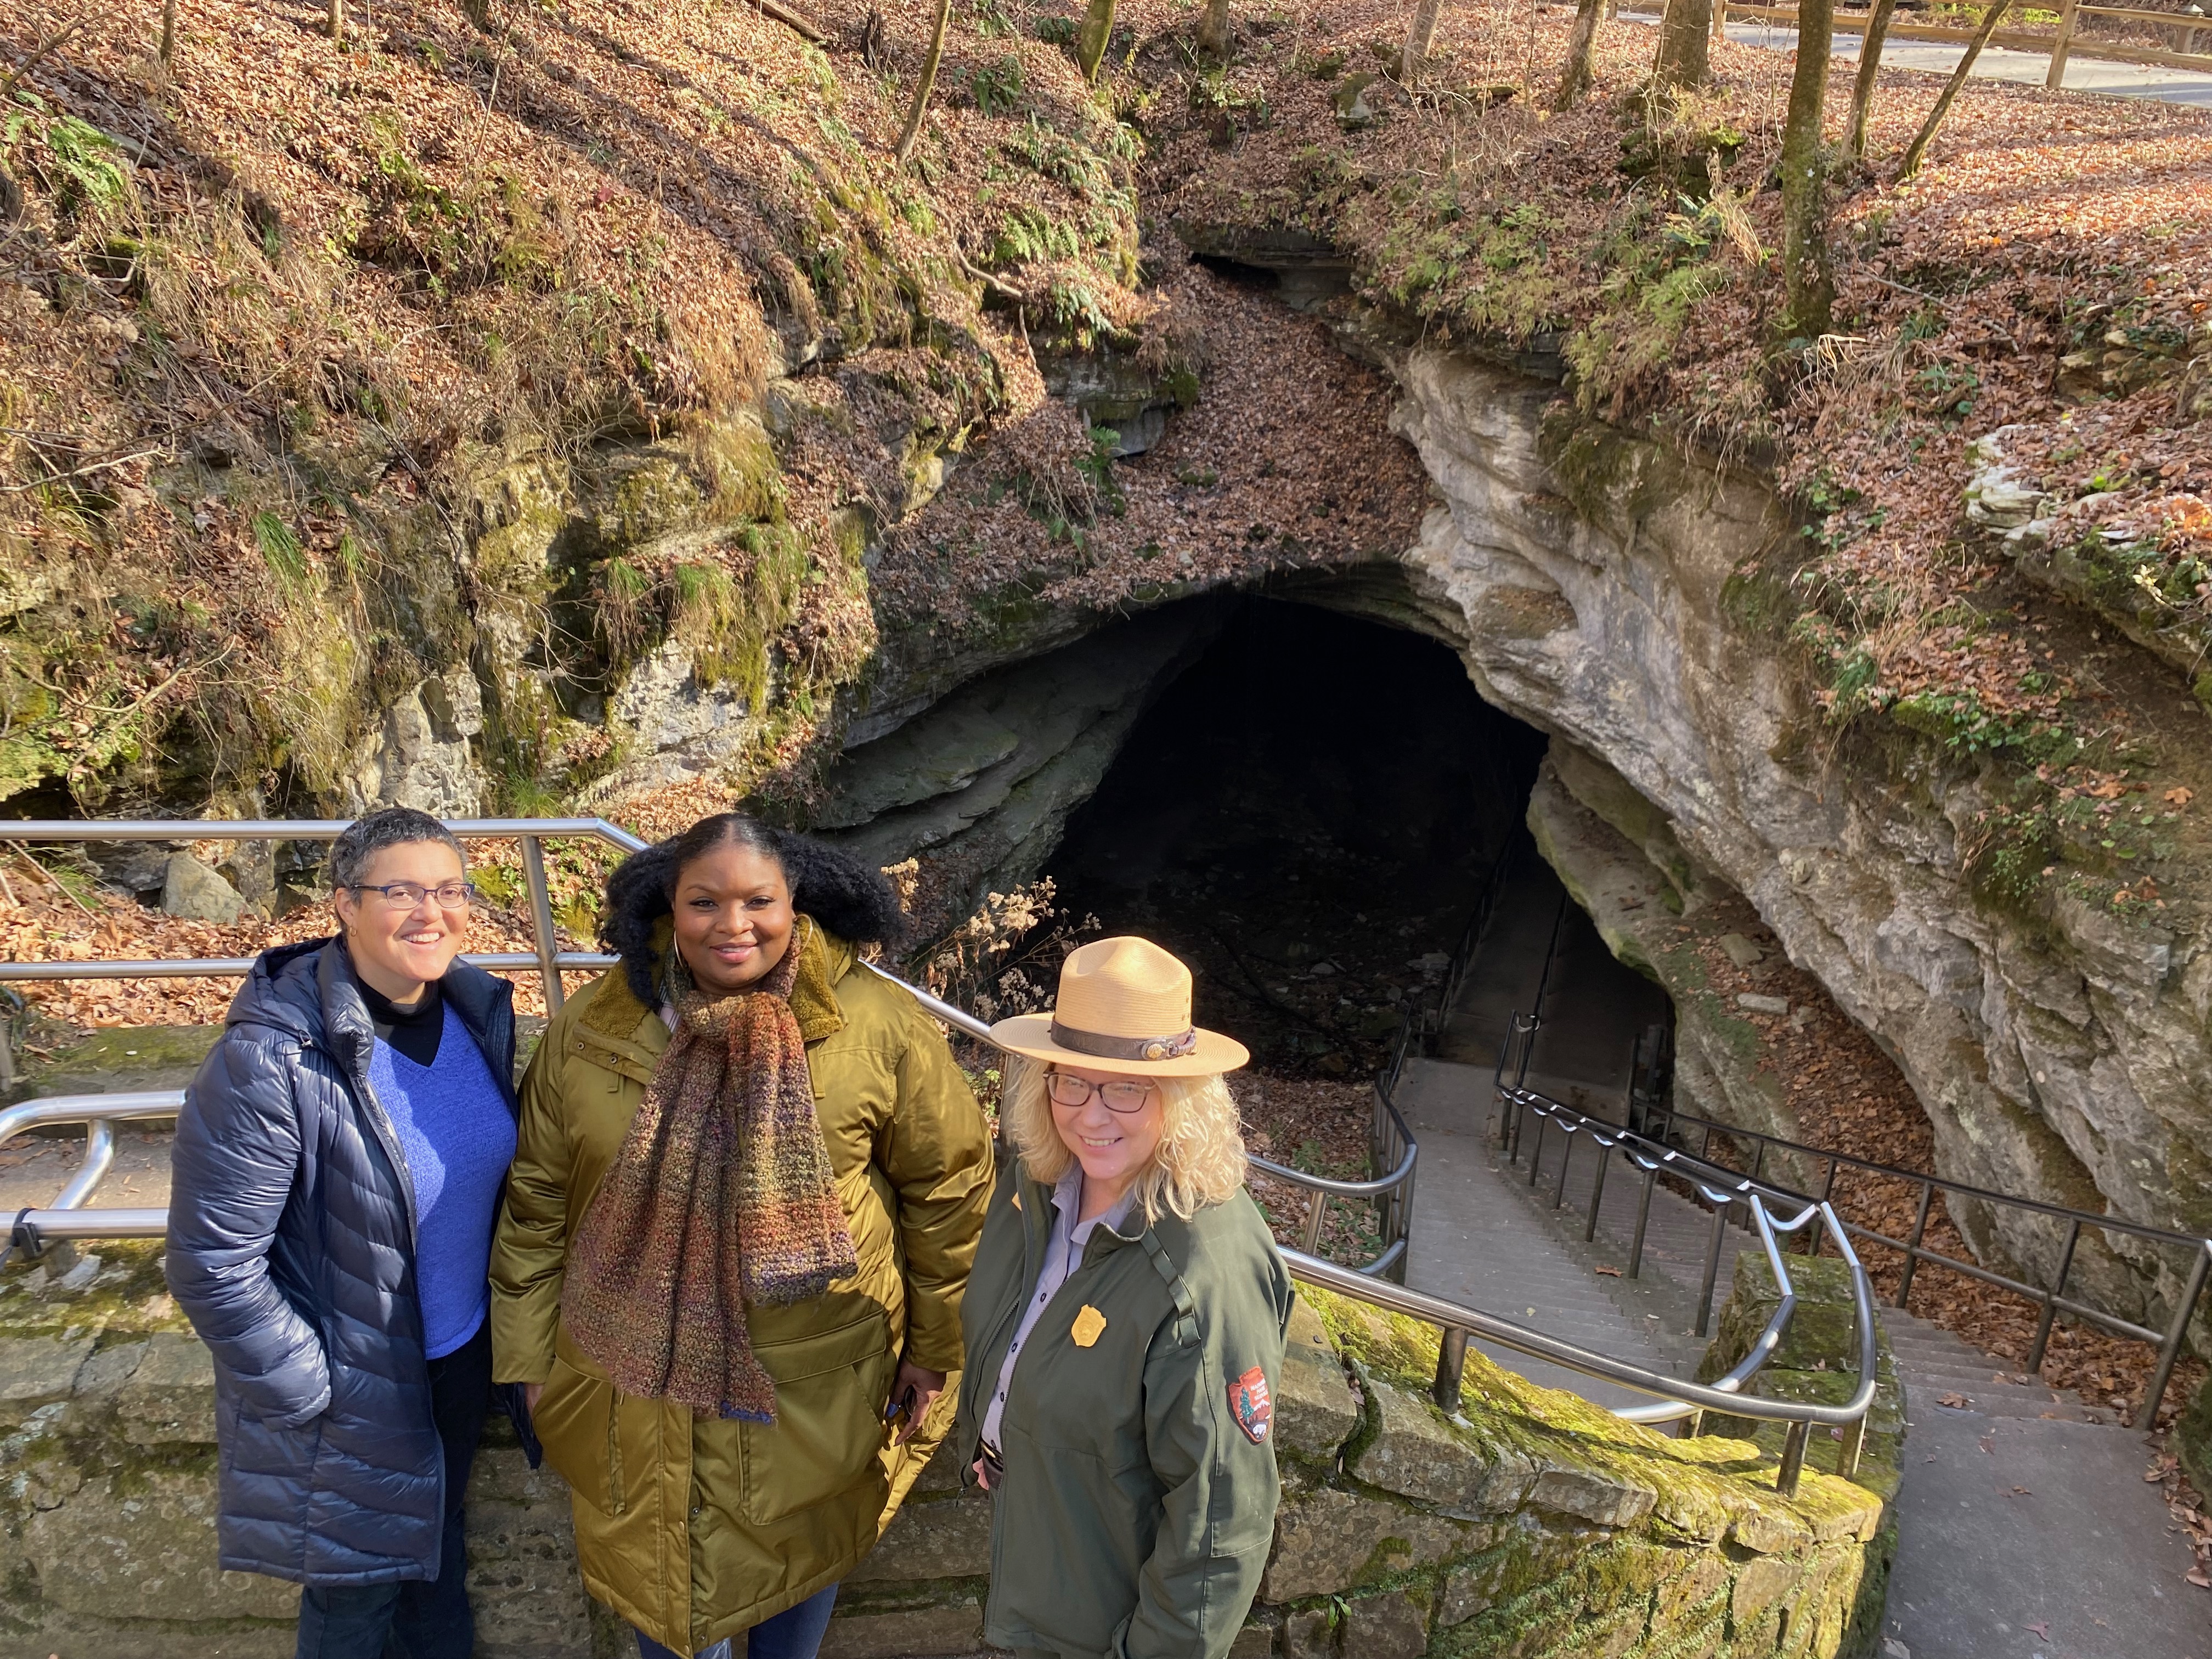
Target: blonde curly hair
column 1199, row 1160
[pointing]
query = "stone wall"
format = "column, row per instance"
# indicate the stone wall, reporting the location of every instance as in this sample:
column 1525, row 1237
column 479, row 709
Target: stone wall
column 1532, row 1524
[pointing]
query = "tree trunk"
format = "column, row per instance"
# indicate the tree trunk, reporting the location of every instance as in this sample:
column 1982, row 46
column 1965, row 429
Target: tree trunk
column 1808, row 288
column 1577, row 76
column 1213, row 29
column 1720, row 21
column 926, row 85
column 168, row 30
column 1685, row 46
column 1419, row 31
column 1870, row 65
column 338, row 20
column 1090, row 39
column 1917, row 150
column 1684, row 55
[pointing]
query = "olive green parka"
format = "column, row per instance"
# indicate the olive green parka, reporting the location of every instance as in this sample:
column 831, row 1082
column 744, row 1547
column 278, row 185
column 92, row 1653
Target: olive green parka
column 1137, row 1505
column 695, row 1529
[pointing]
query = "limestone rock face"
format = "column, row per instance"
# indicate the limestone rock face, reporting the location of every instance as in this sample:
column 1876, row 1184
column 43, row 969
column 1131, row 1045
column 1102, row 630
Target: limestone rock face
column 983, row 781
column 421, row 757
column 674, row 728
column 2070, row 1060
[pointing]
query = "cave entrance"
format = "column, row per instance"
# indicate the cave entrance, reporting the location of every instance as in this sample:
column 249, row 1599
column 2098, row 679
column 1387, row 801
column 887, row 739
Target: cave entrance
column 1307, row 815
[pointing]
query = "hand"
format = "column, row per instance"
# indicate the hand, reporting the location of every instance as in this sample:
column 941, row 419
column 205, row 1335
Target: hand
column 982, row 1475
column 530, row 1393
column 914, row 1390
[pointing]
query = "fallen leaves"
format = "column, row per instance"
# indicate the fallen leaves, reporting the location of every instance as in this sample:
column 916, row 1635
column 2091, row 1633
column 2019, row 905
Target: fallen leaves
column 1956, row 1402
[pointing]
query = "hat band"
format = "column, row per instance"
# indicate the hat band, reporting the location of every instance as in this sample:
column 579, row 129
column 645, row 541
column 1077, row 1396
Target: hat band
column 1104, row 1047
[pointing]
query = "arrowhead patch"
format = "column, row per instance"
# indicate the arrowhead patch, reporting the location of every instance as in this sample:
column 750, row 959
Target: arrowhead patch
column 1088, row 1324
column 1252, row 1405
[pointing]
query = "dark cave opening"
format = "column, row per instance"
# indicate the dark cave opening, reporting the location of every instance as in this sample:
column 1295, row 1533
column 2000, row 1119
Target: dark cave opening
column 1307, row 816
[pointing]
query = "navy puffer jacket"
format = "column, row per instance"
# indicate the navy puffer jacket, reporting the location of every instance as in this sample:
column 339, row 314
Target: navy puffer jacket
column 292, row 1249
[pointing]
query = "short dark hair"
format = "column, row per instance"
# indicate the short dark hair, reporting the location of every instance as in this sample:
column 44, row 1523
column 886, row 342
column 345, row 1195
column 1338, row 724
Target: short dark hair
column 840, row 892
column 371, row 833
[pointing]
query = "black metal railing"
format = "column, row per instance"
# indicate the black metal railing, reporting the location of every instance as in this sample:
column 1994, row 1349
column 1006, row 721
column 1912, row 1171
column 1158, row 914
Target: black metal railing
column 1661, row 1147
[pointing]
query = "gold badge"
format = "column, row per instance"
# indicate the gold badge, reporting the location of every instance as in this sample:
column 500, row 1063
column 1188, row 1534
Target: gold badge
column 1088, row 1324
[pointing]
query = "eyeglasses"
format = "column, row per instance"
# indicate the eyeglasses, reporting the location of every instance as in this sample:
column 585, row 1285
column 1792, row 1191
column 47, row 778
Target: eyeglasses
column 406, row 895
column 1123, row 1094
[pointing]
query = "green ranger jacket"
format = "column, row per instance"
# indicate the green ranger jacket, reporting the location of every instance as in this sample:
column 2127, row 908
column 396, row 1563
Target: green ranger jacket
column 1138, row 1503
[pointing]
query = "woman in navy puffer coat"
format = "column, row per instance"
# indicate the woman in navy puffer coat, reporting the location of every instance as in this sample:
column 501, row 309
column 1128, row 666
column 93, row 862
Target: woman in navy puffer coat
column 293, row 1240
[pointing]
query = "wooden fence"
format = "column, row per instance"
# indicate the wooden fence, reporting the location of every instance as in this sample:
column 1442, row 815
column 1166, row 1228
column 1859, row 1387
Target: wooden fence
column 2061, row 44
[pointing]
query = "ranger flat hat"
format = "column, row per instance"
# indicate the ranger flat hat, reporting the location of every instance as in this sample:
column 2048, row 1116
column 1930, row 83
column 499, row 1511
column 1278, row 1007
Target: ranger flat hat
column 1124, row 1005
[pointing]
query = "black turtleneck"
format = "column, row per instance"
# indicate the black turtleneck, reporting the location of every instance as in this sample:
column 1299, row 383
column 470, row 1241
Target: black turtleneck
column 413, row 1032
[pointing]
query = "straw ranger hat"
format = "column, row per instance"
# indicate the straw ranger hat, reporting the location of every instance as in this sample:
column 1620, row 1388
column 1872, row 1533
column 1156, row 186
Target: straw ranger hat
column 1124, row 1005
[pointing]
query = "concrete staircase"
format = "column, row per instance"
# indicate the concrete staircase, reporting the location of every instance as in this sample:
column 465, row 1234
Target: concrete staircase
column 2027, row 1529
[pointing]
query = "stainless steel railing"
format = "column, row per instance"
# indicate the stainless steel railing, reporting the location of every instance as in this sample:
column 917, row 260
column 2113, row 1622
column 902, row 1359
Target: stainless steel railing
column 69, row 1216
column 547, row 958
column 1676, row 1399
column 1395, row 1147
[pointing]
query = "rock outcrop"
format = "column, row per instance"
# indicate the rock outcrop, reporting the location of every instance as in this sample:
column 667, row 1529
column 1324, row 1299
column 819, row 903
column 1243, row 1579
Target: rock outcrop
column 1591, row 582
column 983, row 780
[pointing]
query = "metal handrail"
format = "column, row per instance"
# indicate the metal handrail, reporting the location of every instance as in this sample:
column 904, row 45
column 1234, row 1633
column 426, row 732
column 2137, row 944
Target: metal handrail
column 1720, row 1187
column 1457, row 1323
column 69, row 1217
column 548, row 959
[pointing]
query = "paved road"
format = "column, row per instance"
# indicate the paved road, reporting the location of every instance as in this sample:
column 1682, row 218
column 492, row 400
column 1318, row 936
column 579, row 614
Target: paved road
column 2170, row 86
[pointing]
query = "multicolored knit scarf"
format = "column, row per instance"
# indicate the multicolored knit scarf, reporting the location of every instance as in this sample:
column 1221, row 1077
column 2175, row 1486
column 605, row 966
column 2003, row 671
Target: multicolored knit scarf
column 721, row 1197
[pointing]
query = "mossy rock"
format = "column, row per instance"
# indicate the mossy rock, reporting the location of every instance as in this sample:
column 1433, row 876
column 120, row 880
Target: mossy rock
column 115, row 1060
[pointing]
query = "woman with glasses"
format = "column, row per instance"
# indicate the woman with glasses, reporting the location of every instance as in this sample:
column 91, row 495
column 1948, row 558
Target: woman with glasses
column 729, row 1270
column 337, row 1169
column 1124, row 1326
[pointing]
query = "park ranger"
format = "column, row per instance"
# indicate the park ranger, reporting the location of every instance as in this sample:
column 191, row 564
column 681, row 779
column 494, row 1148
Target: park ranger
column 1124, row 1328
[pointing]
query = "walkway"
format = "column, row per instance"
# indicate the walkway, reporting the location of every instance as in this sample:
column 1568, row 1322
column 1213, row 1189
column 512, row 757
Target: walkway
column 2027, row 1529
column 2168, row 86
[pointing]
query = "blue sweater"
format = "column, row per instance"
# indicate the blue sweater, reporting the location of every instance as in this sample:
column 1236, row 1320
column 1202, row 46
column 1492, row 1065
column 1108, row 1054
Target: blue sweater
column 454, row 1127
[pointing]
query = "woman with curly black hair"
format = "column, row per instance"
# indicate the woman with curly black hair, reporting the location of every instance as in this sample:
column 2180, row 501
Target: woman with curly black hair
column 729, row 1269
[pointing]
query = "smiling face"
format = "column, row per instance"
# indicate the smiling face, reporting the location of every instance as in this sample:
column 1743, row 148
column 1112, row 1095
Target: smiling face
column 1113, row 1148
column 733, row 918
column 397, row 949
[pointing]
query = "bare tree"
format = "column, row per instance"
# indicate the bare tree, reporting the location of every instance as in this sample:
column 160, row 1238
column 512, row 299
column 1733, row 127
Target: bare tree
column 1420, row 34
column 1869, row 66
column 1579, row 77
column 1917, row 151
column 337, row 21
column 1808, row 285
column 168, row 31
column 926, row 84
column 1213, row 29
column 1097, row 28
column 1685, row 56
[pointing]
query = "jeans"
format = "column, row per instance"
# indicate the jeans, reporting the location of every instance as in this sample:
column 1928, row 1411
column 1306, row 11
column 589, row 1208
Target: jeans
column 416, row 1617
column 794, row 1633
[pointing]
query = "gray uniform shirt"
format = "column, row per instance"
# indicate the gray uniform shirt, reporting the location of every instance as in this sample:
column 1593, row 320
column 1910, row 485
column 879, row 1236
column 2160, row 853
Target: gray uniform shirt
column 1061, row 1254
